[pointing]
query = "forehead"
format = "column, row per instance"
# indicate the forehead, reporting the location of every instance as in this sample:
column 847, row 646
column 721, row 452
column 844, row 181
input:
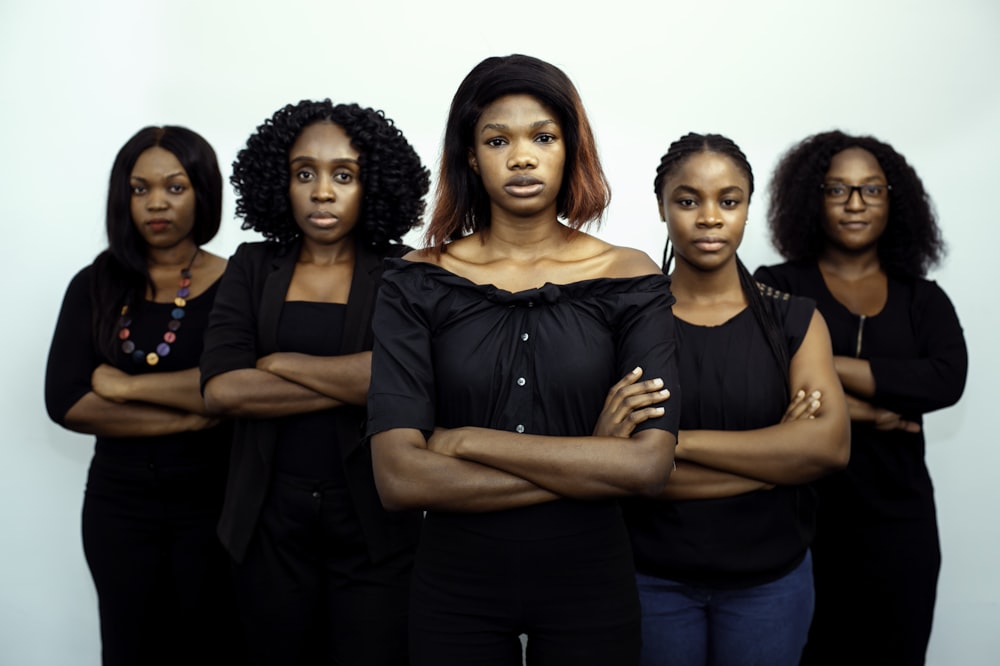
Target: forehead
column 323, row 138
column 157, row 161
column 856, row 162
column 708, row 167
column 511, row 109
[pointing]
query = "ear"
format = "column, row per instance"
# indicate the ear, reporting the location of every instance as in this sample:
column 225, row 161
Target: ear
column 659, row 207
column 473, row 164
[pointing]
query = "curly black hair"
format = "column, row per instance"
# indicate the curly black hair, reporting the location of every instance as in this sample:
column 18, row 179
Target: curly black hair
column 393, row 178
column 911, row 243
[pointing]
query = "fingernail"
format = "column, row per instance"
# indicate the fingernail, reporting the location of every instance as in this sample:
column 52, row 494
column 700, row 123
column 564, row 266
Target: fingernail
column 665, row 392
column 815, row 394
column 815, row 404
column 637, row 370
column 657, row 382
column 800, row 394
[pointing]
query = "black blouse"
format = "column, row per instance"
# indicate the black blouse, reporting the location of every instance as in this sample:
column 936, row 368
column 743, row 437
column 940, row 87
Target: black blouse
column 919, row 361
column 452, row 353
column 731, row 381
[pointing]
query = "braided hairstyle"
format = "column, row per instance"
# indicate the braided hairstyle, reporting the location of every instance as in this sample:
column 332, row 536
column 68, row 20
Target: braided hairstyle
column 393, row 179
column 911, row 243
column 680, row 150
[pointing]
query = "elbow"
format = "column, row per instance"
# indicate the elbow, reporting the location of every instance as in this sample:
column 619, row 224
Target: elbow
column 393, row 494
column 218, row 401
column 657, row 463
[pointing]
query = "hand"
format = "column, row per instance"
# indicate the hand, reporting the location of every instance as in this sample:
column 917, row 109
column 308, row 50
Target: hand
column 886, row 420
column 628, row 404
column 802, row 406
column 110, row 383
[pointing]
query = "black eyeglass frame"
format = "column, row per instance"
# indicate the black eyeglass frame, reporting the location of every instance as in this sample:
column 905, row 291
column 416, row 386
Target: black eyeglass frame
column 860, row 190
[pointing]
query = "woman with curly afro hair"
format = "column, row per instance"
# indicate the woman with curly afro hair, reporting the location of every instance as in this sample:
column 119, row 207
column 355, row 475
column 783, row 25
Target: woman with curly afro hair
column 321, row 569
column 853, row 220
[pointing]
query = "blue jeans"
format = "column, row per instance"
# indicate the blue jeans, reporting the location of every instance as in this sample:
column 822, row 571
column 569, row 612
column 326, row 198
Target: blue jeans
column 766, row 625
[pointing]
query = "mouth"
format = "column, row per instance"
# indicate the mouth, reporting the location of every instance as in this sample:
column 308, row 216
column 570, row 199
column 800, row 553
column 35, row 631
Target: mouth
column 323, row 219
column 158, row 224
column 523, row 186
column 709, row 243
column 854, row 225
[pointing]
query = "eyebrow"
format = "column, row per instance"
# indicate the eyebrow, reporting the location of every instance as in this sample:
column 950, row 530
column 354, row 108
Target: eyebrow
column 168, row 176
column 502, row 127
column 724, row 190
column 866, row 179
column 309, row 158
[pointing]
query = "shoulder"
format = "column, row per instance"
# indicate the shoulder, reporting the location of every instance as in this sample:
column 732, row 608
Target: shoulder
column 794, row 312
column 627, row 262
column 783, row 275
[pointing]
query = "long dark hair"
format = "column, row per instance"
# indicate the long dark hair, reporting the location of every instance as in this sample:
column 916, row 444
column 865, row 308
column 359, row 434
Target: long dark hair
column 463, row 206
column 911, row 243
column 121, row 273
column 679, row 151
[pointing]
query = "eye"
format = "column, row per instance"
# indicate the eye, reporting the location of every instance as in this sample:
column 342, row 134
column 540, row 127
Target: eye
column 138, row 190
column 730, row 203
column 685, row 202
column 874, row 190
column 176, row 188
column 304, row 175
column 496, row 142
column 545, row 138
column 835, row 189
column 343, row 177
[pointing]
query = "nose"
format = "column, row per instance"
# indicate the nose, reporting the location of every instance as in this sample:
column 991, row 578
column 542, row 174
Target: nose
column 522, row 156
column 157, row 199
column 854, row 200
column 710, row 216
column 323, row 189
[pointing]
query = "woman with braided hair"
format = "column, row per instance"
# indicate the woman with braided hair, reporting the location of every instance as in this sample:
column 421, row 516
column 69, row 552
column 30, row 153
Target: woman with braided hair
column 723, row 554
column 322, row 571
column 853, row 220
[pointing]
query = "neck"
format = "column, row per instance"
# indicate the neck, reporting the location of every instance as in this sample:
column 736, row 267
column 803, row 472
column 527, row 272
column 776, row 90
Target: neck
column 323, row 254
column 179, row 256
column 850, row 264
column 692, row 286
column 525, row 239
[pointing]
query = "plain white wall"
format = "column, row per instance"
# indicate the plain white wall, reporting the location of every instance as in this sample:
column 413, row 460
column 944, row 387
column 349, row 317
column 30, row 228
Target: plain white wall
column 78, row 79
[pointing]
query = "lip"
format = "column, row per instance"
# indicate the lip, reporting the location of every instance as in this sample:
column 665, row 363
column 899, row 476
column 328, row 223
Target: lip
column 523, row 186
column 323, row 219
column 854, row 225
column 158, row 223
column 709, row 243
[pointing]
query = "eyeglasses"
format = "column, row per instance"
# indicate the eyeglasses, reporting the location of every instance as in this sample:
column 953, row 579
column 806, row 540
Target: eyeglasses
column 873, row 194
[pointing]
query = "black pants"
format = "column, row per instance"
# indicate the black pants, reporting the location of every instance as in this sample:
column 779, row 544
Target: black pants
column 575, row 597
column 307, row 589
column 162, row 577
column 875, row 592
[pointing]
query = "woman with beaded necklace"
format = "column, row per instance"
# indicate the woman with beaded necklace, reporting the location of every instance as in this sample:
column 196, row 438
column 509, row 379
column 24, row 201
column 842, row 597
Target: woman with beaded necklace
column 123, row 366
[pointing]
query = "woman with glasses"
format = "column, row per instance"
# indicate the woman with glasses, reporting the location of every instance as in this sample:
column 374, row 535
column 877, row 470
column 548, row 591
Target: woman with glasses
column 853, row 220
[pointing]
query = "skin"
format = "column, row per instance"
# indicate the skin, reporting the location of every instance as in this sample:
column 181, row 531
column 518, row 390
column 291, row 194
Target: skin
column 325, row 196
column 853, row 274
column 519, row 153
column 704, row 203
column 125, row 405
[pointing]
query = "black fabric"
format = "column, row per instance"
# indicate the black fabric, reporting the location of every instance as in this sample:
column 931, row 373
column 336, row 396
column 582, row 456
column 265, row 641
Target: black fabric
column 243, row 327
column 151, row 503
column 919, row 361
column 730, row 381
column 305, row 446
column 452, row 353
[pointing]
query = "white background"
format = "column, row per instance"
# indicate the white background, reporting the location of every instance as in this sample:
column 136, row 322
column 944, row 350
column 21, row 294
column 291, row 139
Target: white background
column 78, row 78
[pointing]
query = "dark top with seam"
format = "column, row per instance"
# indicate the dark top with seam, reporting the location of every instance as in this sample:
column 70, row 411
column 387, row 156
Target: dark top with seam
column 731, row 381
column 244, row 327
column 74, row 354
column 452, row 353
column 919, row 361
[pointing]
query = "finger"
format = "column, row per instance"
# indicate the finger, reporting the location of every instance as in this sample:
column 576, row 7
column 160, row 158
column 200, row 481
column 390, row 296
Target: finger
column 629, row 379
column 654, row 395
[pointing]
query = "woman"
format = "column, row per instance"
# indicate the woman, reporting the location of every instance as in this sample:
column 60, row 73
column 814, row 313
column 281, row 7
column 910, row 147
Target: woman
column 322, row 571
column 851, row 217
column 155, row 485
column 493, row 348
column 723, row 561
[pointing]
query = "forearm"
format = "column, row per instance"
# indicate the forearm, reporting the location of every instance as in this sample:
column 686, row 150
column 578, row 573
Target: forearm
column 343, row 378
column 577, row 467
column 409, row 476
column 787, row 453
column 257, row 394
column 693, row 481
column 95, row 415
column 177, row 390
column 855, row 375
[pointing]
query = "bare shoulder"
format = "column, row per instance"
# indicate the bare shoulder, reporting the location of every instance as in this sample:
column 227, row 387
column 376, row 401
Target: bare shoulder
column 627, row 262
column 209, row 267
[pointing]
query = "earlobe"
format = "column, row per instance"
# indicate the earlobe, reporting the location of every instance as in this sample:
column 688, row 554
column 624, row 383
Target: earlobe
column 473, row 164
column 659, row 209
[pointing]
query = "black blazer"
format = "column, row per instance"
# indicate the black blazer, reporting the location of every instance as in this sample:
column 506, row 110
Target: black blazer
column 244, row 327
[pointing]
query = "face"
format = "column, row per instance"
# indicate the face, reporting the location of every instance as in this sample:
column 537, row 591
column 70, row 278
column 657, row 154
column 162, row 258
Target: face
column 704, row 203
column 163, row 201
column 324, row 185
column 519, row 153
column 855, row 225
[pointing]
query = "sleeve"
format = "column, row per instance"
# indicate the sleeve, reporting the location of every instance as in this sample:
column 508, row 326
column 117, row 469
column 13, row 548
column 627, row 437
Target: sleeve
column 774, row 277
column 797, row 320
column 401, row 393
column 646, row 339
column 936, row 379
column 231, row 336
column 72, row 355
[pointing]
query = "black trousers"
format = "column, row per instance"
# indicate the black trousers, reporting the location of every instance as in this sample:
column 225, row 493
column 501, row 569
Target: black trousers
column 473, row 595
column 308, row 590
column 875, row 591
column 163, row 585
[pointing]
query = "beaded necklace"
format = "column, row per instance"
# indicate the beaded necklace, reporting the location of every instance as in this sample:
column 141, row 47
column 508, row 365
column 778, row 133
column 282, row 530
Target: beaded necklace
column 162, row 349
